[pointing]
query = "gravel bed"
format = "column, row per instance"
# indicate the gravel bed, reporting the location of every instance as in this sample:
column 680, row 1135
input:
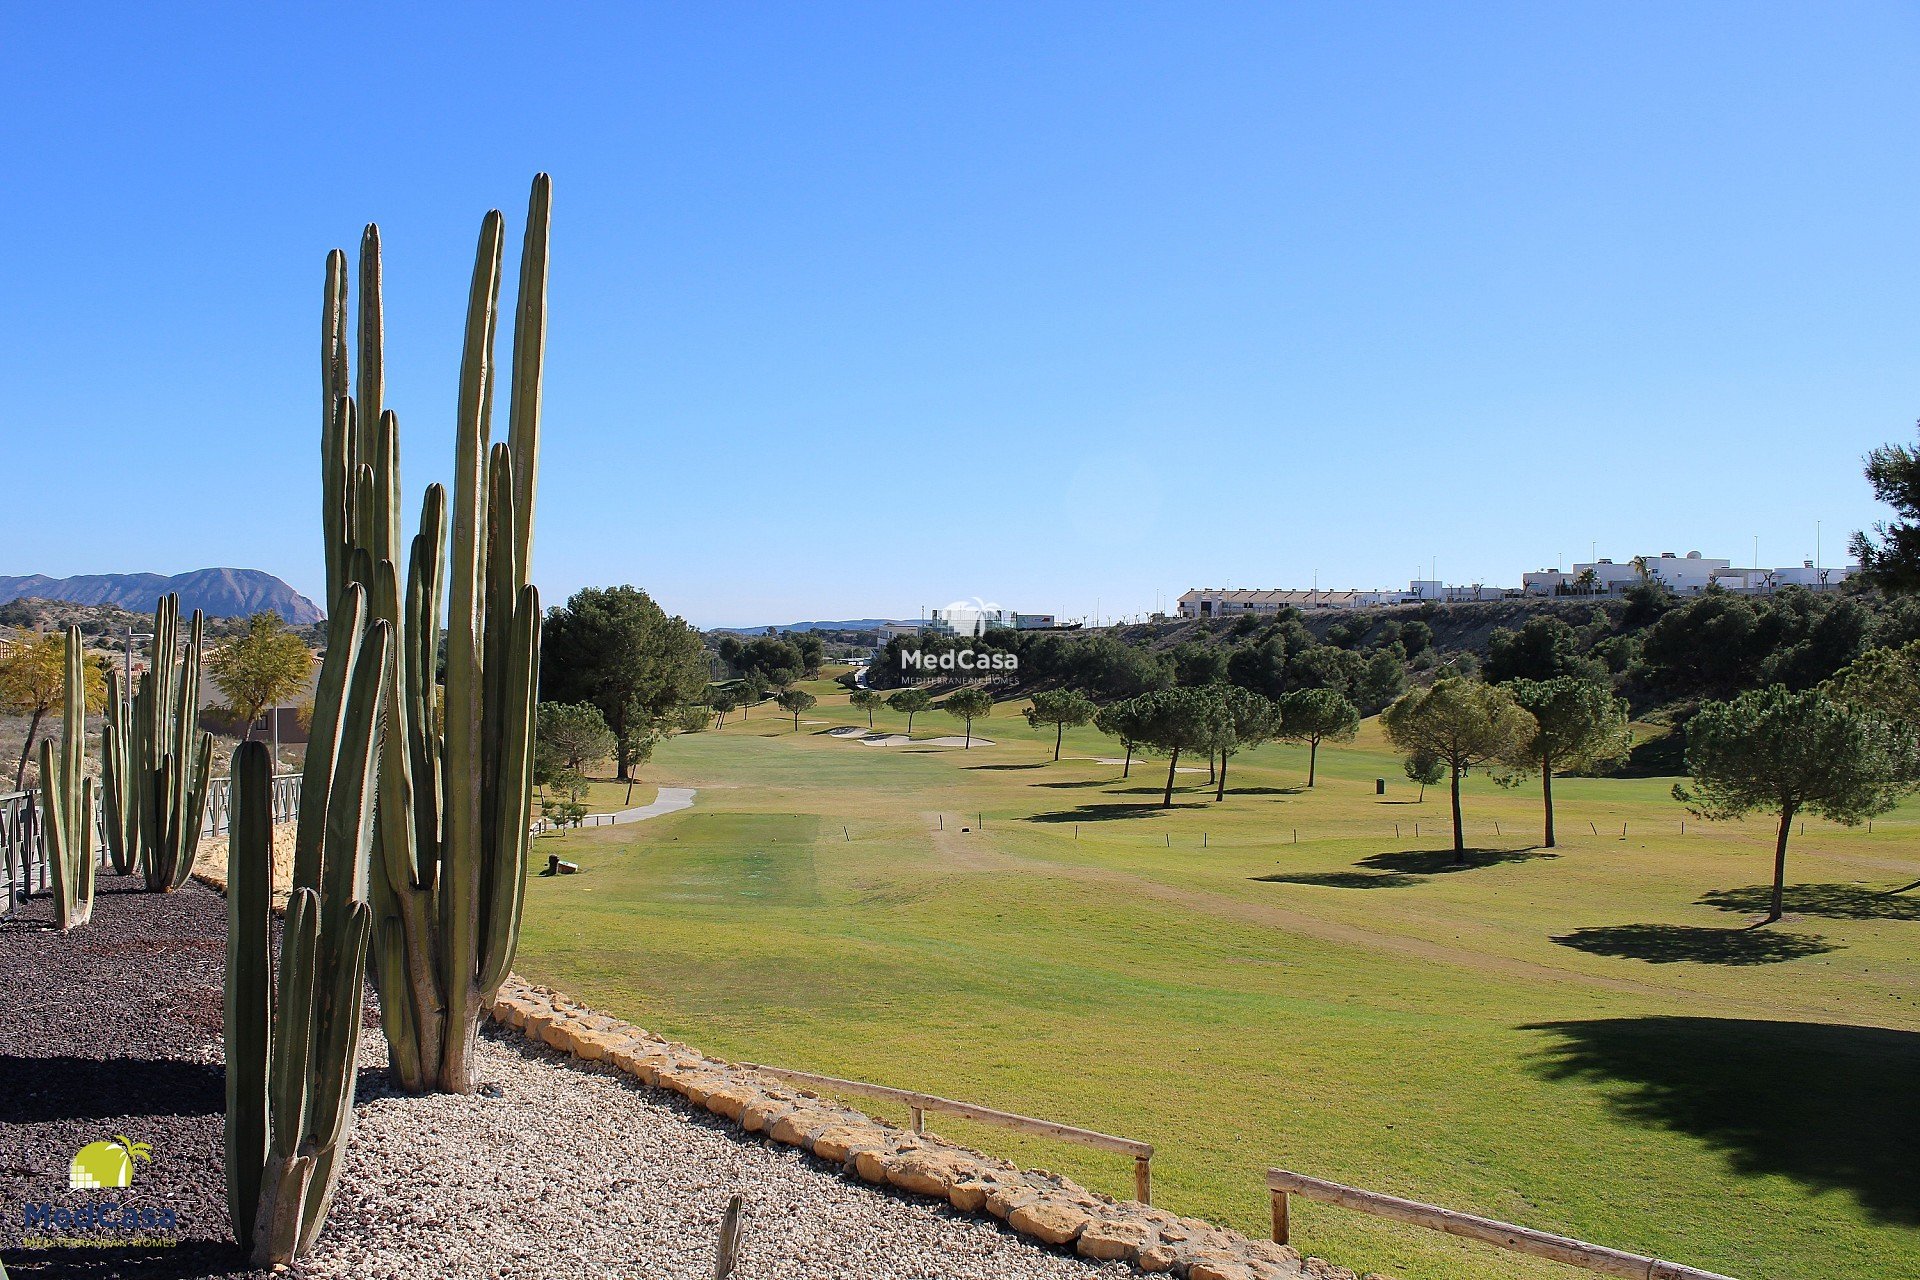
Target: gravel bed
column 563, row 1168
column 115, row 1029
column 555, row 1168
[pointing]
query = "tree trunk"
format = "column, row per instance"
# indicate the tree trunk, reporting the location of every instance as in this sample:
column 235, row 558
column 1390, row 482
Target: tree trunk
column 1780, row 866
column 909, row 724
column 1313, row 759
column 968, row 744
column 26, row 752
column 1221, row 793
column 1059, row 732
column 1211, row 773
column 1546, row 793
column 1166, row 801
column 1459, row 838
column 1126, row 768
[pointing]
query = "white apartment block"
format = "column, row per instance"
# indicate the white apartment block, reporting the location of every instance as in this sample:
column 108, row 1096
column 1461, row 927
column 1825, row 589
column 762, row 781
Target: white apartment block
column 1687, row 575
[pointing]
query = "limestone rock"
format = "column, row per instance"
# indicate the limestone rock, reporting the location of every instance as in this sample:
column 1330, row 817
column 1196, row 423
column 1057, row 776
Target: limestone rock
column 1112, row 1238
column 1053, row 1221
column 926, row 1173
column 1155, row 1257
column 1218, row 1265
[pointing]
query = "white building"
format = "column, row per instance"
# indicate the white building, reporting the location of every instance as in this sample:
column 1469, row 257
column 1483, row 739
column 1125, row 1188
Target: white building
column 976, row 620
column 1687, row 575
column 1434, row 589
column 1224, row 602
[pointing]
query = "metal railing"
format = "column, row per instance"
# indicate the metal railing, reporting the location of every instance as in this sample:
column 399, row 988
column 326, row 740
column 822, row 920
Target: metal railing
column 24, row 869
column 286, row 802
column 918, row 1104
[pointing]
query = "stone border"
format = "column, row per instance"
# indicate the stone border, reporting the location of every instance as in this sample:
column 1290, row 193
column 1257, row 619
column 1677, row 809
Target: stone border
column 1051, row 1209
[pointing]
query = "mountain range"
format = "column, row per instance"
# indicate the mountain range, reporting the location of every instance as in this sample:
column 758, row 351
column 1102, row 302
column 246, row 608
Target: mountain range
column 219, row 593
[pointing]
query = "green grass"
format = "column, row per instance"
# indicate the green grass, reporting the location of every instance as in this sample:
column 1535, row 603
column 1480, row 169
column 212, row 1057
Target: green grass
column 1585, row 1040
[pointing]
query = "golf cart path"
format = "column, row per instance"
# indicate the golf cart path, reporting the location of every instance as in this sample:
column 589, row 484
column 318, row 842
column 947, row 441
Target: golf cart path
column 669, row 800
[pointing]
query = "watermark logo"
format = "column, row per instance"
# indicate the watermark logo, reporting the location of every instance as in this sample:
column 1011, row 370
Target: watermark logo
column 102, row 1165
column 946, row 652
column 106, row 1223
column 970, row 618
column 963, row 662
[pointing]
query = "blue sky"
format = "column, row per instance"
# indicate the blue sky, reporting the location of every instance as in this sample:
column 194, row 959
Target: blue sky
column 857, row 309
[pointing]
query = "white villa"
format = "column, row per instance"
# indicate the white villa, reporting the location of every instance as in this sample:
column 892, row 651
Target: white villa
column 1686, row 575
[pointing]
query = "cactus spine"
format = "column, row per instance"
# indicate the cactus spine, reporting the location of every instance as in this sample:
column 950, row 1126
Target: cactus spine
column 171, row 757
column 290, row 1069
column 68, row 799
column 120, row 801
column 450, row 848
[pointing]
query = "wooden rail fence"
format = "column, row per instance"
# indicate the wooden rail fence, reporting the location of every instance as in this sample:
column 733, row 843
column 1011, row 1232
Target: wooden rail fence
column 1282, row 1184
column 918, row 1104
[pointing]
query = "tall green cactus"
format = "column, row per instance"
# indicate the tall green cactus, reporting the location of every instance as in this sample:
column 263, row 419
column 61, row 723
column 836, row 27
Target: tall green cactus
column 67, row 793
column 450, row 848
column 119, row 798
column 172, row 756
column 290, row 1069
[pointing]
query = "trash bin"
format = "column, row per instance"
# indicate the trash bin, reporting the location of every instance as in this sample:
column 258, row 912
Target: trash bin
column 1379, row 786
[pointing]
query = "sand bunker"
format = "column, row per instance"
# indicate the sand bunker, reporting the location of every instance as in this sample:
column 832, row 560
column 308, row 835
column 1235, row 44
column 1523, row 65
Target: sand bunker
column 869, row 739
column 1121, row 760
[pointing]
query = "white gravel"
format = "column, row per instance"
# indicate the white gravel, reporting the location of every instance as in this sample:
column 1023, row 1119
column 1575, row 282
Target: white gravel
column 575, row 1170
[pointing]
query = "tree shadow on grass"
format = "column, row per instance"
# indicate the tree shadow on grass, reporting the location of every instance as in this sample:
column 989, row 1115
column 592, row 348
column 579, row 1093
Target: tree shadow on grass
column 1344, row 879
column 1002, row 768
column 1834, row 901
column 1264, row 791
column 1831, row 1107
column 1064, row 786
column 1109, row 812
column 1438, row 862
column 1673, row 943
column 40, row 1090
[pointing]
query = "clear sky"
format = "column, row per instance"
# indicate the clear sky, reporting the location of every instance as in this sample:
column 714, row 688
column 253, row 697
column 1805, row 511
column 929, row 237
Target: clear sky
column 857, row 309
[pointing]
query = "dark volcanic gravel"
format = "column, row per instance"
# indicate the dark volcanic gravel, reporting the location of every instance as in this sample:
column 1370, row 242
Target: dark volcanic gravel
column 115, row 1030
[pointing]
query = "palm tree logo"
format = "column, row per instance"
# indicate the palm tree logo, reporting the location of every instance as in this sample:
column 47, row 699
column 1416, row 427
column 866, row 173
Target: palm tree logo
column 100, row 1165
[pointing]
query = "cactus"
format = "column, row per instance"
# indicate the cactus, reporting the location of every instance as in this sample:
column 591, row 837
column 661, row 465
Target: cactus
column 68, row 799
column 450, row 845
column 119, row 800
column 171, row 767
column 290, row 1069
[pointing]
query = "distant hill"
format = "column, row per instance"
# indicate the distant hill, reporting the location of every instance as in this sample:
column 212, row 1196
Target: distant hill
column 219, row 593
column 851, row 624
